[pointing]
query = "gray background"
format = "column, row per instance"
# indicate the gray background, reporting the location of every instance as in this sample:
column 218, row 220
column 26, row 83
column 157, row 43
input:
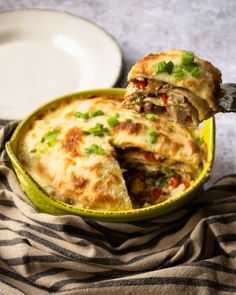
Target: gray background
column 206, row 27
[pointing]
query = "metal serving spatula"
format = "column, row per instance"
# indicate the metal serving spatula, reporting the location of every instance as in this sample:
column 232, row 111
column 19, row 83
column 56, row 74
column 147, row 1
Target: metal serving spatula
column 228, row 100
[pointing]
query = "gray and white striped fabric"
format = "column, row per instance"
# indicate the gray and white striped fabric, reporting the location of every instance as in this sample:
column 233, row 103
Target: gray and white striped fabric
column 191, row 251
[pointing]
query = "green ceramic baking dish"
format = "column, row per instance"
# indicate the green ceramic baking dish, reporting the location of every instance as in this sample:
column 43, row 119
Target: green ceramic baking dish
column 46, row 203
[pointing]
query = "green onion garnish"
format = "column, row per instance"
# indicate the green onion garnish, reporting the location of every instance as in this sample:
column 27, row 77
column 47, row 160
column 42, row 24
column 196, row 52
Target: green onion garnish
column 97, row 113
column 190, row 67
column 52, row 133
column 178, row 73
column 33, row 151
column 167, row 171
column 189, row 64
column 152, row 135
column 117, row 115
column 160, row 67
column 86, row 115
column 51, row 137
column 199, row 140
column 164, row 66
column 112, row 121
column 139, row 100
column 169, row 67
column 81, row 115
column 95, row 149
column 128, row 120
column 187, row 58
column 97, row 130
column 193, row 69
column 151, row 117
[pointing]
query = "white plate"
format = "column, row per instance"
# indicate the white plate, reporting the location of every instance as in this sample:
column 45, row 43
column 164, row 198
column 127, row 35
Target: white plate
column 45, row 54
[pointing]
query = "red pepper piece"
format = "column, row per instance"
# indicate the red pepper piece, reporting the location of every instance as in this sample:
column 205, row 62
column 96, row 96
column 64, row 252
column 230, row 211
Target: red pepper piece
column 174, row 182
column 141, row 84
column 186, row 184
column 164, row 98
column 156, row 192
column 149, row 156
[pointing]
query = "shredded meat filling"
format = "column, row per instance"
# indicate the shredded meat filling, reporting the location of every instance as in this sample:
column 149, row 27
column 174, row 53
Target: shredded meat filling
column 149, row 178
column 150, row 99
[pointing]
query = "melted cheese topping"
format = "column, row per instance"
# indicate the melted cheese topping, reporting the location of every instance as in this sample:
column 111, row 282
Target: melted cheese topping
column 78, row 166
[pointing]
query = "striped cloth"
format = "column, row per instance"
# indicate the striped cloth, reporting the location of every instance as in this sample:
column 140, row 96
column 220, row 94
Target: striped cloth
column 191, row 251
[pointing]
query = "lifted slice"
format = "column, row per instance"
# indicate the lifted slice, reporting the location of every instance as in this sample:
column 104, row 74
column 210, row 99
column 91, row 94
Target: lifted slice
column 176, row 83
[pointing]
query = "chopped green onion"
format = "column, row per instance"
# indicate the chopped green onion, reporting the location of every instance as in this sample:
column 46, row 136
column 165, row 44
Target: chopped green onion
column 189, row 64
column 97, row 113
column 187, row 58
column 169, row 67
column 139, row 100
column 152, row 136
column 94, row 149
column 97, row 130
column 193, row 69
column 52, row 142
column 164, row 66
column 117, row 115
column 33, row 151
column 167, row 171
column 128, row 120
column 86, row 115
column 199, row 140
column 151, row 117
column 85, row 132
column 171, row 129
column 190, row 67
column 160, row 67
column 51, row 133
column 112, row 121
column 178, row 73
column 81, row 115
column 51, row 137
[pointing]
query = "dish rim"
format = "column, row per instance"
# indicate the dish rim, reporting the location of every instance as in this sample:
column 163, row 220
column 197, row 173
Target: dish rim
column 95, row 214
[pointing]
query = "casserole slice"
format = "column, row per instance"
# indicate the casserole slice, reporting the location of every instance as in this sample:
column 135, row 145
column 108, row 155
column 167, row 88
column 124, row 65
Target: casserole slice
column 175, row 83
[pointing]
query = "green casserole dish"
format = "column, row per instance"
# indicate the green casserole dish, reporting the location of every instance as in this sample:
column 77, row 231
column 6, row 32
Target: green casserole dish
column 46, row 203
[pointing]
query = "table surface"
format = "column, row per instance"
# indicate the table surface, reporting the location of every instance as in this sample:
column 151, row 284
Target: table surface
column 207, row 27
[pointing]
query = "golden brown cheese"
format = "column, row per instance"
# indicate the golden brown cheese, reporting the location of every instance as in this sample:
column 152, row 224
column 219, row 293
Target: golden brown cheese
column 71, row 150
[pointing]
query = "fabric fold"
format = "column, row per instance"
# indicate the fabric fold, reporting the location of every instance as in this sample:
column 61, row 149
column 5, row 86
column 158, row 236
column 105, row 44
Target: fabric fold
column 190, row 251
